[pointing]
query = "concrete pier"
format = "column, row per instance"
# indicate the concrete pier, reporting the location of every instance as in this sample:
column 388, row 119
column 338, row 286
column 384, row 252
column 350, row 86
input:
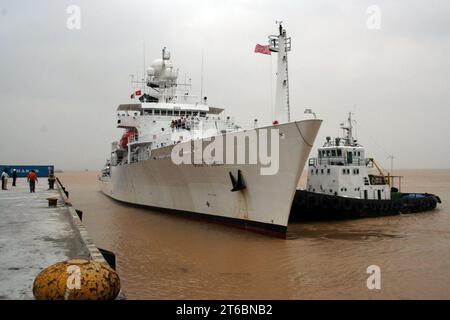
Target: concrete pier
column 34, row 236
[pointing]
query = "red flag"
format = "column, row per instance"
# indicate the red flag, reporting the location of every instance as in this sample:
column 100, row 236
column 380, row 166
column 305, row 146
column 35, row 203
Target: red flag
column 262, row 49
column 138, row 93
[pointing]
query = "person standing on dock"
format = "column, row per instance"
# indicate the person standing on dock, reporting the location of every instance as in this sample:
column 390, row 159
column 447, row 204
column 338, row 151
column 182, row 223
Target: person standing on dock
column 14, row 177
column 32, row 179
column 5, row 177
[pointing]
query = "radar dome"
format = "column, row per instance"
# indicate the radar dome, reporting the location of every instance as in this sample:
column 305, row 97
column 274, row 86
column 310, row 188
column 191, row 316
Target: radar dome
column 150, row 71
column 157, row 65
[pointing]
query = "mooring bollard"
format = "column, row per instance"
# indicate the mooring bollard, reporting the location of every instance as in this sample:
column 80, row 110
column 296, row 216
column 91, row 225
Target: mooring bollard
column 52, row 202
column 51, row 183
column 77, row 279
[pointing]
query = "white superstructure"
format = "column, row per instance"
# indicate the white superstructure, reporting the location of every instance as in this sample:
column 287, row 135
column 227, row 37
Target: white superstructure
column 341, row 169
column 167, row 118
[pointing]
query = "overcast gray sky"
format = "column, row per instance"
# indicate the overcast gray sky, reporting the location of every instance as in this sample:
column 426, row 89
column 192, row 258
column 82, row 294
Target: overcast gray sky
column 59, row 88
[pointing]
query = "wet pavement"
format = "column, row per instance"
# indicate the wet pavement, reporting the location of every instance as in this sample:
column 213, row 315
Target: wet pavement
column 33, row 236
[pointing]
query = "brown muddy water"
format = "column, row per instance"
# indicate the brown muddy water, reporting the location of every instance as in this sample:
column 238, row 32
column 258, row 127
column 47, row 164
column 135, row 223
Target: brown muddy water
column 161, row 256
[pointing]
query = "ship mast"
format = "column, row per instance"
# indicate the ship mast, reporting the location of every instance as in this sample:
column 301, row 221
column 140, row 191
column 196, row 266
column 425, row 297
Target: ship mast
column 282, row 44
column 350, row 141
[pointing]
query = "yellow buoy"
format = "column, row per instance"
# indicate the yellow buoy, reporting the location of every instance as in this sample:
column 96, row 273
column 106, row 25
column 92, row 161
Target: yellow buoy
column 77, row 279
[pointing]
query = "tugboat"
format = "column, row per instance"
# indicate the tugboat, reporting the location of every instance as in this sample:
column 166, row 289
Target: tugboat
column 341, row 184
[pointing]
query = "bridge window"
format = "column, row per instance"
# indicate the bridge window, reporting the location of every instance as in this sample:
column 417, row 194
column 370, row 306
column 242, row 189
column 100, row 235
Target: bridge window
column 157, row 112
column 339, row 152
column 176, row 113
column 312, row 171
column 321, row 171
column 328, row 171
column 202, row 114
column 182, row 113
column 169, row 112
column 163, row 112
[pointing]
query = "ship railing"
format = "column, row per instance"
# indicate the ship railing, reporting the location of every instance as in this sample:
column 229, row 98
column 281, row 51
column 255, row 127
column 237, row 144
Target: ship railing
column 140, row 139
column 336, row 161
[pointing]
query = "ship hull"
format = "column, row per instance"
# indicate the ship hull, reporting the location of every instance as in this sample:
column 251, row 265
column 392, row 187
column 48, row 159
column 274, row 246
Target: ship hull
column 204, row 191
column 311, row 206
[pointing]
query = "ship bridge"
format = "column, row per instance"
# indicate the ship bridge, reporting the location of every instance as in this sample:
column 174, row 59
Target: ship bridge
column 339, row 155
column 128, row 114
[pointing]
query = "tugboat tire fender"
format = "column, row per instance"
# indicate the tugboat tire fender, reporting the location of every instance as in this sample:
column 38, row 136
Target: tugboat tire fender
column 312, row 200
column 346, row 204
column 396, row 206
column 358, row 206
column 335, row 204
column 324, row 203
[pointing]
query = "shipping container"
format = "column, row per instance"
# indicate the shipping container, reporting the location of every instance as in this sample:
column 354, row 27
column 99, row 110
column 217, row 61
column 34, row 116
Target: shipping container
column 22, row 171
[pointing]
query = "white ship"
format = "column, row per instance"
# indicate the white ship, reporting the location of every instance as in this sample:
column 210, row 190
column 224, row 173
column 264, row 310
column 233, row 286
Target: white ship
column 181, row 154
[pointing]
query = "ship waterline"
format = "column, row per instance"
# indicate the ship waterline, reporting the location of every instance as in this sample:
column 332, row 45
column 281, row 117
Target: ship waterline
column 263, row 205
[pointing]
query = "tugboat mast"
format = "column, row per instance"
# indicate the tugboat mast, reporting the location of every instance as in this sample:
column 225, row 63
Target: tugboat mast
column 348, row 131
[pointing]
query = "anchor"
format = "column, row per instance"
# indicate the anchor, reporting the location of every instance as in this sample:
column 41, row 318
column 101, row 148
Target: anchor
column 239, row 184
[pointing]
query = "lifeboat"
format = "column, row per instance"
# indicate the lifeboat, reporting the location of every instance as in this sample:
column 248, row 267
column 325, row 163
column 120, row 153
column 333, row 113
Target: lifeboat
column 125, row 138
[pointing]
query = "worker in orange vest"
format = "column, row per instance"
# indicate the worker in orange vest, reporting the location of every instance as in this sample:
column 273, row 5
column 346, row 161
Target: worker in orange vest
column 32, row 179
